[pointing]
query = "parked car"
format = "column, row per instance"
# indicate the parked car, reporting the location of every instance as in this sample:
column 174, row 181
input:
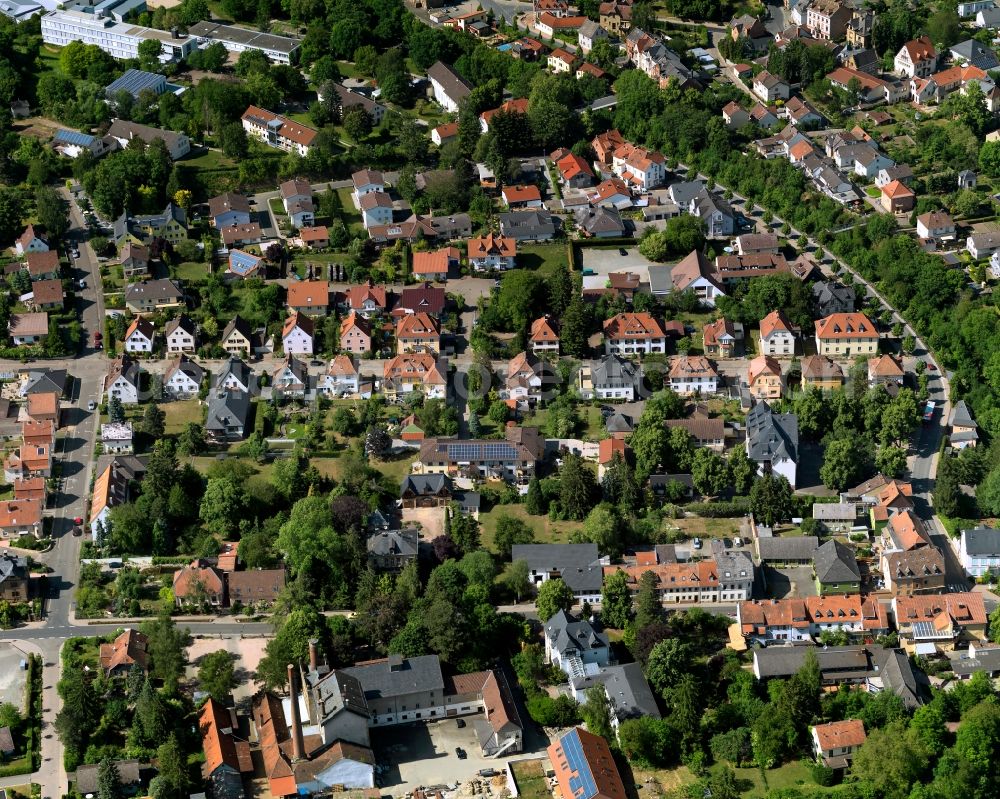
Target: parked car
column 460, row 753
column 91, row 406
column 460, row 723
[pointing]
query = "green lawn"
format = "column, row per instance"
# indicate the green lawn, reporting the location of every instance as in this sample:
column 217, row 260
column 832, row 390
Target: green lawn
column 276, row 206
column 873, row 191
column 790, row 775
column 544, row 258
column 209, row 159
column 546, row 531
column 531, row 782
column 179, row 414
column 191, row 272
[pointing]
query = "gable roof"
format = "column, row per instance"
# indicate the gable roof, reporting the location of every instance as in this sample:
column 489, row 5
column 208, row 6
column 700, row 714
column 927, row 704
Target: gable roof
column 846, row 734
column 846, row 326
column 309, row 294
column 454, row 85
column 835, row 563
column 220, row 746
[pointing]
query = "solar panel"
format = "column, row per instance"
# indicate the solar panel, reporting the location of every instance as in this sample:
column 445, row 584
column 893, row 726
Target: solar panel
column 581, row 781
column 468, row 451
column 73, row 137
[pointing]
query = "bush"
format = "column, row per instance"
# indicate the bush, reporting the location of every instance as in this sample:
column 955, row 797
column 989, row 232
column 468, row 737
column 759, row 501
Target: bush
column 822, row 775
column 739, row 506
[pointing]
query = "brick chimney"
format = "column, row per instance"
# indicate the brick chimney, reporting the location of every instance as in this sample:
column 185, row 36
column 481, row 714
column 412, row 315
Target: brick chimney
column 298, row 744
column 313, row 654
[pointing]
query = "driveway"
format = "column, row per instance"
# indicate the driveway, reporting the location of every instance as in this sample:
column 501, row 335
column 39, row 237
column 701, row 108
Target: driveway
column 790, row 581
column 429, row 520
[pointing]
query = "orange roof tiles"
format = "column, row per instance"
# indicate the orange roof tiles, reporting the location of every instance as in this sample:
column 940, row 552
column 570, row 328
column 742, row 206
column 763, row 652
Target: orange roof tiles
column 297, row 320
column 308, row 294
column 20, row 513
column 846, row 326
column 965, row 608
column 430, row 263
column 221, row 748
column 293, row 131
column 521, row 194
column 907, row 531
column 418, row 325
column 775, row 320
column 420, row 366
column 127, row 649
column 597, row 761
column 845, row 734
column 608, row 448
column 543, row 330
column 633, row 327
column 895, row 189
column 502, row 246
column 760, row 366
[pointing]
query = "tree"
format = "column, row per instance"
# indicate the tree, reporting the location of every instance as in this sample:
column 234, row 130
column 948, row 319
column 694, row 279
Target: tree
column 154, row 421
column 9, row 716
column 576, row 487
column 108, row 780
column 605, row 527
column 216, row 675
column 553, row 595
column 668, row 661
column 742, row 470
column 464, row 530
column 149, row 722
column 357, row 123
column 989, row 158
column 171, row 781
column 842, row 464
column 51, row 212
column 988, row 493
column 510, row 531
column 616, row 601
column 116, row 411
column 517, row 578
column 596, row 712
column 167, row 648
column 890, row 761
column 709, row 472
column 222, row 506
column 647, row 601
column 771, row 499
column 377, row 442
column 891, row 461
column 534, row 501
column 149, row 52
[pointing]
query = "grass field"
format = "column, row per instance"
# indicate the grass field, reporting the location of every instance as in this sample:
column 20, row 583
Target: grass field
column 708, row 528
column 531, row 782
column 546, row 531
column 179, row 414
column 593, row 424
column 544, row 258
column 191, row 272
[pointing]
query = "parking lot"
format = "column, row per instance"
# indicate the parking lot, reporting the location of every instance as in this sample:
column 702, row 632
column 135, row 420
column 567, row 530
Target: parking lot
column 790, row 581
column 604, row 261
column 423, row 754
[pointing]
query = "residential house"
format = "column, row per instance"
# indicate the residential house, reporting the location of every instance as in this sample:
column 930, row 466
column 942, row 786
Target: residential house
column 917, row 58
column 634, row 334
column 42, row 406
column 117, row 438
column 561, row 61
column 764, row 378
column 835, row 517
column 19, row 518
column 240, row 235
column 580, row 566
column 572, row 645
column 694, row 273
column 418, row 332
column 227, row 756
column 801, row 113
column 828, row 19
column 309, row 297
column 492, row 252
column 277, row 131
column 123, row 131
column 707, row 431
column 235, row 375
column 795, row 620
column 584, row 767
column 970, row 8
column 445, row 134
column 376, row 209
column 544, row 335
column 832, row 298
column 719, row 338
column 448, row 86
column 227, row 416
column 140, row 336
column 128, row 650
column 415, row 371
column 512, row 459
column 640, row 168
column 773, row 441
column 297, row 199
column 939, row 623
column 616, row 17
column 964, row 432
column 422, row 299
column 389, row 551
column 169, row 225
column 435, row 265
column 355, row 335
column 314, row 238
column 366, row 299
column 777, row 337
column 834, row 744
column 527, row 225
column 900, row 172
column 897, row 198
column 910, row 563
column 979, row 551
column 734, row 115
column 122, row 380
column 770, row 88
column 47, row 295
column 229, row 209
column 181, row 335
column 692, row 374
column 30, row 240
column 524, row 379
column 244, row 264
column 836, row 569
column 885, row 370
column 28, row 328
column 521, row 197
column 151, row 296
column 425, row 491
column 112, row 488
column 341, row 378
column 846, row 335
column 297, row 335
column 982, row 245
column 658, row 62
column 727, row 577
column 254, row 587
column 198, row 584
column 238, row 338
column 183, row 378
column 134, row 260
column 367, row 181
column 72, row 144
column 758, row 244
column 574, row 171
column 818, row 371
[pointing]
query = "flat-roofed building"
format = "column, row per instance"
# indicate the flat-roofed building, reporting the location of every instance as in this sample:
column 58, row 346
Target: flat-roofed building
column 279, row 49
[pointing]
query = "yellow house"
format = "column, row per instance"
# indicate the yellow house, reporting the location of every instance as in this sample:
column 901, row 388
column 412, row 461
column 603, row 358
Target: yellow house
column 820, row 372
column 764, row 377
column 237, row 337
column 418, row 332
column 170, row 225
column 846, row 335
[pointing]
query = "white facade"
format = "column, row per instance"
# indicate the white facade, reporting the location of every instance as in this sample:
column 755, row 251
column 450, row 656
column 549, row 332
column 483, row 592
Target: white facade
column 180, row 341
column 779, row 342
column 297, row 342
column 690, row 384
column 338, row 384
column 127, row 393
column 138, row 342
column 180, row 384
column 980, row 562
column 118, row 39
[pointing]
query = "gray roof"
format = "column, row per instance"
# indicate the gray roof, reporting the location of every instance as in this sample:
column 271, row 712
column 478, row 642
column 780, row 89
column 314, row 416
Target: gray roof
column 991, row 17
column 454, row 85
column 899, row 677
column 123, row 129
column 591, row 30
column 982, row 541
column 566, row 633
column 242, row 36
column 578, row 564
column 615, row 371
column 152, row 290
column 784, row 661
column 772, row 436
column 976, row 54
column 798, row 547
column 835, row 563
column 961, row 416
column 627, row 688
column 987, row 660
column 188, row 367
column 684, row 191
column 12, row 566
column 527, row 224
column 619, row 423
column 45, row 381
column 86, row 776
column 601, row 220
column 733, row 564
column 398, row 676
column 226, row 408
column 425, row 484
column 135, row 81
column 240, row 370
column 832, row 292
column 834, row 511
column 337, row 691
column 394, row 542
column 659, row 279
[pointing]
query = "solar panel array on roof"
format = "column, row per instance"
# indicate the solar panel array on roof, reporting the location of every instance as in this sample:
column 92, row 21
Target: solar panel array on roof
column 135, row 81
column 73, row 137
column 470, row 452
column 581, row 781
